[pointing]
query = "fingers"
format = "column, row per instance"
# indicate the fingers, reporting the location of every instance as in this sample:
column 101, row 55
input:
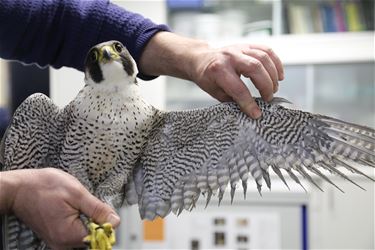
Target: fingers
column 268, row 64
column 275, row 59
column 219, row 71
column 240, row 94
column 223, row 97
column 256, row 71
column 97, row 210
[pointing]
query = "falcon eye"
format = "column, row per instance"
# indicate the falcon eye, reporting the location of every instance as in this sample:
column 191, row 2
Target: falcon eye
column 94, row 55
column 117, row 47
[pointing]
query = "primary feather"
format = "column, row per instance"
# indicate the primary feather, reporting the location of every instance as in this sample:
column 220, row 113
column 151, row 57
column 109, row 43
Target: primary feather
column 202, row 151
column 125, row 151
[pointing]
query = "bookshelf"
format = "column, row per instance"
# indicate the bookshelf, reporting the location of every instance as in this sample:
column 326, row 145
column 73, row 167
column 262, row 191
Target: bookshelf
column 220, row 18
column 302, row 17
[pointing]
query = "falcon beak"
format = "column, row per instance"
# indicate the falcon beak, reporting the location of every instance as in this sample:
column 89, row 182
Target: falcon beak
column 107, row 54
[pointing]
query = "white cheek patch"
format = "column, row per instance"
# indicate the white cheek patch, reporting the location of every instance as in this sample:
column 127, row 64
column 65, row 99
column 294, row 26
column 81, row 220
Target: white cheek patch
column 113, row 71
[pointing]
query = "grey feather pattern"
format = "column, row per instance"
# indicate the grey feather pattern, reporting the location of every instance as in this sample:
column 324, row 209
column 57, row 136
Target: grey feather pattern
column 175, row 157
column 33, row 139
column 201, row 151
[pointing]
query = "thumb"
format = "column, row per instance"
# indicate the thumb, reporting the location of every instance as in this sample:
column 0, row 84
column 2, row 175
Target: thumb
column 98, row 211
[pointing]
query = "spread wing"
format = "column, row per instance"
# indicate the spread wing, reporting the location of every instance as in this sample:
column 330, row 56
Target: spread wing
column 32, row 139
column 201, row 151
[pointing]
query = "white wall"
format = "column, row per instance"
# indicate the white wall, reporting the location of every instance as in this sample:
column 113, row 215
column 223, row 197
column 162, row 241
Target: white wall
column 343, row 220
column 3, row 84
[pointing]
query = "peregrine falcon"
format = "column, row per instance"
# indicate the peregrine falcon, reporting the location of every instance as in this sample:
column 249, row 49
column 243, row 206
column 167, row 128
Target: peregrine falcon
column 125, row 151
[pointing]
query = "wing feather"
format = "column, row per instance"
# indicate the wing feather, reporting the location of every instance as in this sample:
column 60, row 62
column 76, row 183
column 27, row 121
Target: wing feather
column 34, row 135
column 203, row 151
column 32, row 140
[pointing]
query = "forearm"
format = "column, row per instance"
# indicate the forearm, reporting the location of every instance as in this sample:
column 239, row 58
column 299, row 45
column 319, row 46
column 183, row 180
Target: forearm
column 8, row 186
column 170, row 54
column 60, row 33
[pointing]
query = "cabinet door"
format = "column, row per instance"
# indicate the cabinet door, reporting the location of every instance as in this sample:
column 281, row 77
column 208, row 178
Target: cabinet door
column 346, row 91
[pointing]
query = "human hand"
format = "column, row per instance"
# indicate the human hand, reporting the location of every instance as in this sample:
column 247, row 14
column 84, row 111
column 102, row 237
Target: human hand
column 50, row 201
column 218, row 71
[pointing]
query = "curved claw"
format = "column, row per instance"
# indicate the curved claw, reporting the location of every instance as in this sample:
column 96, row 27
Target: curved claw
column 100, row 237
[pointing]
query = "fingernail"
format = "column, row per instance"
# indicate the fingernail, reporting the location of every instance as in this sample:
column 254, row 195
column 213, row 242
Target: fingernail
column 276, row 87
column 113, row 219
column 269, row 98
column 255, row 113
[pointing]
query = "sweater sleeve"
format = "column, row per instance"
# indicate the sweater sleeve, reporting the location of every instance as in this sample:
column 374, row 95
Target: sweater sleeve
column 60, row 32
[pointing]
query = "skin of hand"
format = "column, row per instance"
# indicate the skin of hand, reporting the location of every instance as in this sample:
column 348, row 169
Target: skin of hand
column 49, row 201
column 216, row 70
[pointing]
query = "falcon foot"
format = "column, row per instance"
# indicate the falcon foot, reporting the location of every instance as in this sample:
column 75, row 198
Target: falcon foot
column 100, row 237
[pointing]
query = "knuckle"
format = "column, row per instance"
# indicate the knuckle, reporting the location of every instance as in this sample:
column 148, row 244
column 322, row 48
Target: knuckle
column 255, row 65
column 249, row 104
column 239, row 92
column 215, row 67
column 77, row 191
column 262, row 56
column 265, row 87
column 98, row 211
column 269, row 50
column 229, row 53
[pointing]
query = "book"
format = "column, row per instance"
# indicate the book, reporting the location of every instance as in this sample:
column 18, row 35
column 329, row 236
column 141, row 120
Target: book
column 317, row 19
column 328, row 17
column 354, row 21
column 339, row 16
column 300, row 19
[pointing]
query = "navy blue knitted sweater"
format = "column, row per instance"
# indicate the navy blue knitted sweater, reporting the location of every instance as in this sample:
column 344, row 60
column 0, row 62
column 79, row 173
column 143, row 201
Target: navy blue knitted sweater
column 60, row 32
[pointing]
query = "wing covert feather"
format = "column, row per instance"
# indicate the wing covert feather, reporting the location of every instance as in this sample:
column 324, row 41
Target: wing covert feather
column 34, row 135
column 33, row 140
column 202, row 151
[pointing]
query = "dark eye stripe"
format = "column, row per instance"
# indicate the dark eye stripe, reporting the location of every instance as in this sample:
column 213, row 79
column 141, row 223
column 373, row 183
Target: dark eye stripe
column 127, row 64
column 92, row 65
column 96, row 72
column 94, row 55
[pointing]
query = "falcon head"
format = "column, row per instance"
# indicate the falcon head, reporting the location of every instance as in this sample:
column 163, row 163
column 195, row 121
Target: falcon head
column 109, row 63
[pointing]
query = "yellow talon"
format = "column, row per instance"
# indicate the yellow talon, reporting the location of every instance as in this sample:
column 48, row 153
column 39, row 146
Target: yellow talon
column 108, row 229
column 100, row 237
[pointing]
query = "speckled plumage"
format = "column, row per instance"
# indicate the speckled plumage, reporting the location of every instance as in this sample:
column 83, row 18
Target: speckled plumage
column 126, row 152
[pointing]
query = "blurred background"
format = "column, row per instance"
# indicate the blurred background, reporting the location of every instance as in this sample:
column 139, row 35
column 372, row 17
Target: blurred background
column 327, row 47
